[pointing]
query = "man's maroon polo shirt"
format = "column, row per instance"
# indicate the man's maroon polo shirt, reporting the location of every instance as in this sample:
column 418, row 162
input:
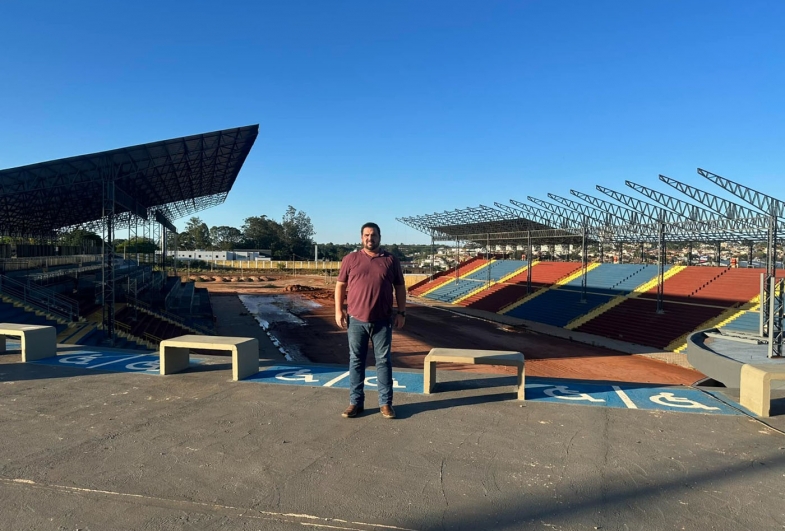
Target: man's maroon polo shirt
column 370, row 281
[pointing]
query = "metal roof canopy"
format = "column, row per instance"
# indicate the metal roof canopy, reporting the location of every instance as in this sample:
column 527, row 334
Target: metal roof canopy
column 160, row 181
column 716, row 220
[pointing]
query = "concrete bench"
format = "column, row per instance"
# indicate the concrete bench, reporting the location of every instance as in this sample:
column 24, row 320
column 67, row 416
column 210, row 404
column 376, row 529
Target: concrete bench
column 245, row 353
column 755, row 386
column 471, row 357
column 38, row 341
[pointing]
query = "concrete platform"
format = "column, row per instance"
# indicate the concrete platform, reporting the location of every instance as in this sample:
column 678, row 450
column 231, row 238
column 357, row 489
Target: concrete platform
column 86, row 449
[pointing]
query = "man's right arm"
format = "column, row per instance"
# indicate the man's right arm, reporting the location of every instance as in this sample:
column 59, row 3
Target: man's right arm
column 340, row 295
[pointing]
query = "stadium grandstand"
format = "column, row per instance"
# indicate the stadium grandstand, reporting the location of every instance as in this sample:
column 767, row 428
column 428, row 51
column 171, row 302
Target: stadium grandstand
column 88, row 291
column 655, row 304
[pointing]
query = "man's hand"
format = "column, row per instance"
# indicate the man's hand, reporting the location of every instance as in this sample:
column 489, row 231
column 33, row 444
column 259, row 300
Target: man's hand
column 340, row 313
column 399, row 320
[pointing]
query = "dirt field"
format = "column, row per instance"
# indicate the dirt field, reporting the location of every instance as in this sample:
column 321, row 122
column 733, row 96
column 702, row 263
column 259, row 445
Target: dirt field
column 323, row 342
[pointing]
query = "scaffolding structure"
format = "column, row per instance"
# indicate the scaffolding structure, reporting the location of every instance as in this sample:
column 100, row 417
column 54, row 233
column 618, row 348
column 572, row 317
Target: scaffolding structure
column 625, row 219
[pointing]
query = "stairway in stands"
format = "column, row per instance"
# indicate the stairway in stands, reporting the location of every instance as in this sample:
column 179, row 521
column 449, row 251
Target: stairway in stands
column 476, row 280
column 11, row 312
column 443, row 277
column 513, row 289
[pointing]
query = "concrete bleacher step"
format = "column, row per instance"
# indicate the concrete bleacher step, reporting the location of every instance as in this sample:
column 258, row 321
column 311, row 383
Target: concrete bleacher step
column 680, row 343
column 562, row 281
column 470, row 270
column 440, row 278
column 637, row 292
column 29, row 309
column 635, row 320
column 493, row 283
column 65, row 335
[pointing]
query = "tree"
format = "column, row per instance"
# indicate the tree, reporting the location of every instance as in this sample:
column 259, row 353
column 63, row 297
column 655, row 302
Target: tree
column 333, row 252
column 137, row 245
column 195, row 236
column 82, row 238
column 297, row 233
column 396, row 252
column 225, row 238
column 259, row 232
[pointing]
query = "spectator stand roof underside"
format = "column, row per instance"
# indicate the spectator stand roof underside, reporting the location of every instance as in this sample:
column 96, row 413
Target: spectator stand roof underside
column 160, row 181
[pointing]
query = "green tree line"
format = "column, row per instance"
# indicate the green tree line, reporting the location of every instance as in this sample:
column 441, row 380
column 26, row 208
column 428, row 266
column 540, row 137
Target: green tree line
column 291, row 238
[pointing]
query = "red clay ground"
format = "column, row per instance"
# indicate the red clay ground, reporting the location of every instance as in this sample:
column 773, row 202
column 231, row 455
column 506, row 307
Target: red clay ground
column 323, row 342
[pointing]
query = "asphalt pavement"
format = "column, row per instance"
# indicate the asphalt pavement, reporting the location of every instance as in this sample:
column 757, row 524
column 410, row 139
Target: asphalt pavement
column 93, row 450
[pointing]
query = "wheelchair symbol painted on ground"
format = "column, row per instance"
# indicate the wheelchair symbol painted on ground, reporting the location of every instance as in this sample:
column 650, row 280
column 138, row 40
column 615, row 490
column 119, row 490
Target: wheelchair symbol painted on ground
column 562, row 392
column 303, row 375
column 629, row 396
column 671, row 400
column 371, row 382
column 144, row 366
column 318, row 376
column 80, row 360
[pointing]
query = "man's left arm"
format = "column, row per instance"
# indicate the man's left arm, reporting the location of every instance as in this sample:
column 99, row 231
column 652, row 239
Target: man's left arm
column 400, row 301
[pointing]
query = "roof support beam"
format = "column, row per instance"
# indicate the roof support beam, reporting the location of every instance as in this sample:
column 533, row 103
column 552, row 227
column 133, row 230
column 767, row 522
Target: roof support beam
column 127, row 202
column 160, row 218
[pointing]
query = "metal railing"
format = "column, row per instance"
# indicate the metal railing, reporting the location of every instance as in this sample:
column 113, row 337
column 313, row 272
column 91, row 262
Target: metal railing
column 176, row 319
column 19, row 264
column 42, row 299
column 52, row 275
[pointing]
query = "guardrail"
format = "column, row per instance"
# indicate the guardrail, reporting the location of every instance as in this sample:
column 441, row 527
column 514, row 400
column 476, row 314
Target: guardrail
column 170, row 316
column 20, row 264
column 62, row 273
column 261, row 265
column 152, row 339
column 41, row 299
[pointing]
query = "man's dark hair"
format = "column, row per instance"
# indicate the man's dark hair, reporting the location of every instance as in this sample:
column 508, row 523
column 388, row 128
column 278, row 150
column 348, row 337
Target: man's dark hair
column 371, row 225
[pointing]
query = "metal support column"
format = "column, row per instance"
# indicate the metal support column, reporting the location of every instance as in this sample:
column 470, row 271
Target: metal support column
column 689, row 256
column 585, row 262
column 457, row 260
column 719, row 254
column 164, row 251
column 776, row 314
column 488, row 243
column 432, row 255
column 107, row 269
column 771, row 268
column 749, row 254
column 661, row 270
column 530, row 259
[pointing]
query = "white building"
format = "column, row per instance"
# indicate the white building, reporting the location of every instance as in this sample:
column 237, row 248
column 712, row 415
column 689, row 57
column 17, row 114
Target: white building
column 238, row 254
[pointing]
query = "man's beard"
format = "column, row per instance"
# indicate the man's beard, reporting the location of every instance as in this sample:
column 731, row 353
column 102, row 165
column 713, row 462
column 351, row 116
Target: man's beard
column 372, row 247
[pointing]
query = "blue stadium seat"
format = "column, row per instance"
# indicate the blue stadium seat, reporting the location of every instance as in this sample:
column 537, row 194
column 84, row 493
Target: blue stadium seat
column 558, row 307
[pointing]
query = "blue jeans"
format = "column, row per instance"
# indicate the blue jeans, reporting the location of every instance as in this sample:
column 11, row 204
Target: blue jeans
column 380, row 333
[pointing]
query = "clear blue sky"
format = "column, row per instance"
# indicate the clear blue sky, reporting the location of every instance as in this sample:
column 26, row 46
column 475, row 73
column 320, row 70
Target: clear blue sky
column 372, row 110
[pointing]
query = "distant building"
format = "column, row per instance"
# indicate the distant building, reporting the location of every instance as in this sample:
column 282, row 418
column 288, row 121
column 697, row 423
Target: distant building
column 237, row 254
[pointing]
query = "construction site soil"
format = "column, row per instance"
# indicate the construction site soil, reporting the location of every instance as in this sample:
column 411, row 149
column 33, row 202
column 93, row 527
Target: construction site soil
column 321, row 341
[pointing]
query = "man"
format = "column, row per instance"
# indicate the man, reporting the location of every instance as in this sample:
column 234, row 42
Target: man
column 367, row 280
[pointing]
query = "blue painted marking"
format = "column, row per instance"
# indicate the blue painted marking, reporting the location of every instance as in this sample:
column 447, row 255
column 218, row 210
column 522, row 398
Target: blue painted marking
column 632, row 396
column 569, row 392
column 404, row 382
column 110, row 362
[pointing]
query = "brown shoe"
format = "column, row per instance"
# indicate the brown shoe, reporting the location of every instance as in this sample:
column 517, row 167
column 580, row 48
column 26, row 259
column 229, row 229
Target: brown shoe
column 352, row 411
column 387, row 412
